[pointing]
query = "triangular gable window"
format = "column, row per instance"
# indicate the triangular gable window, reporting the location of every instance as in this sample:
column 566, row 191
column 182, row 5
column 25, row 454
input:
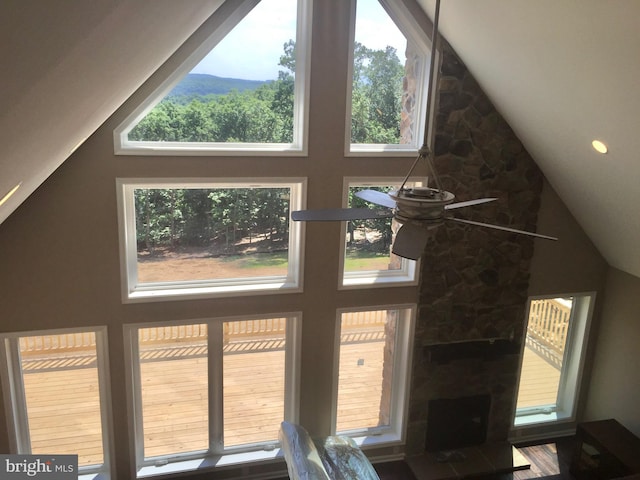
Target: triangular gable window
column 242, row 90
column 389, row 80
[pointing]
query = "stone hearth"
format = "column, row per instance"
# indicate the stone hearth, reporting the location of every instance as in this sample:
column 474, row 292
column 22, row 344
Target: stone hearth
column 487, row 459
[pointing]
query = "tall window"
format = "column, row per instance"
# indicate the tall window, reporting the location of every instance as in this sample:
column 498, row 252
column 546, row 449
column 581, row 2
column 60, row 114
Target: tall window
column 372, row 372
column 243, row 90
column 553, row 357
column 389, row 72
column 212, row 388
column 219, row 227
column 208, row 238
column 63, row 372
column 367, row 259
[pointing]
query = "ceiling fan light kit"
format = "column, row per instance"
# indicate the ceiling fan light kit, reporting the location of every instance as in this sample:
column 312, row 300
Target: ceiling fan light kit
column 417, row 210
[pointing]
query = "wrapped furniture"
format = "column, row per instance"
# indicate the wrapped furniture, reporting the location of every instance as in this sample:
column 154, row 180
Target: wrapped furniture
column 330, row 458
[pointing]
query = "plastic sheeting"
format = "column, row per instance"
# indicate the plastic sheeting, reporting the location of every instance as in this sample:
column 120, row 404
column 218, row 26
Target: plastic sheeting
column 331, row 458
column 300, row 453
column 344, row 460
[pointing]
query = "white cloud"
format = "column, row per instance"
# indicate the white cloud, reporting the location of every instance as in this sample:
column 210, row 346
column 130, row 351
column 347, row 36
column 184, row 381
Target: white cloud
column 253, row 48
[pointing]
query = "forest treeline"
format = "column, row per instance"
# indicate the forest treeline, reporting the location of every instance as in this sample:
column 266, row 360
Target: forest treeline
column 263, row 114
column 217, row 218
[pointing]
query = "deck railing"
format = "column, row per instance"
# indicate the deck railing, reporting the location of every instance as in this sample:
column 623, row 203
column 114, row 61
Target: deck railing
column 69, row 343
column 548, row 327
column 60, row 343
column 549, row 322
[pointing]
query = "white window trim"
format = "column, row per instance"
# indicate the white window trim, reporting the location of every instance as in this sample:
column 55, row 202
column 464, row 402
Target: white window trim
column 407, row 275
column 395, row 432
column 216, row 456
column 132, row 292
column 573, row 366
column 15, row 399
column 195, row 49
column 408, row 25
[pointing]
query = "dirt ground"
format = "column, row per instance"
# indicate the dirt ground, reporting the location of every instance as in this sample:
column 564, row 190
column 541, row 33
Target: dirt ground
column 201, row 265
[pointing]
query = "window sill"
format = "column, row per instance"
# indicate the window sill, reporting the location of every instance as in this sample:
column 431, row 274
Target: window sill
column 406, row 275
column 94, row 476
column 208, row 149
column 367, row 150
column 375, row 440
column 369, row 280
column 541, row 418
column 148, row 294
column 211, row 462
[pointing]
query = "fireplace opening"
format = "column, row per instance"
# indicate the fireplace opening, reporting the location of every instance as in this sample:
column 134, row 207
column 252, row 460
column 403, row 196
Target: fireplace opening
column 457, row 422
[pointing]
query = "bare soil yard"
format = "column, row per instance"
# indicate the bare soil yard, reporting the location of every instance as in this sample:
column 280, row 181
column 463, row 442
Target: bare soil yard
column 200, row 264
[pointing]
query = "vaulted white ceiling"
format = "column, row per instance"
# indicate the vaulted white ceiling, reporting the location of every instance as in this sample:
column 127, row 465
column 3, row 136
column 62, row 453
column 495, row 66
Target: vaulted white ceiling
column 67, row 65
column 562, row 72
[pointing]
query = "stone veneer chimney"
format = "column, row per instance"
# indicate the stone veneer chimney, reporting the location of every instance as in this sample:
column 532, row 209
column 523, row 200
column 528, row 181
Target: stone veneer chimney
column 474, row 280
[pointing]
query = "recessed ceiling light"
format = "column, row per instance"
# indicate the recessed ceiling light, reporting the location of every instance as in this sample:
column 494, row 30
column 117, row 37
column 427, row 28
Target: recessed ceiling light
column 599, row 146
column 8, row 195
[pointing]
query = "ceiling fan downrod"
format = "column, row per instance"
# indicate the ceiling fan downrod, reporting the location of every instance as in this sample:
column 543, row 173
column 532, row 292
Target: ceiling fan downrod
column 426, row 152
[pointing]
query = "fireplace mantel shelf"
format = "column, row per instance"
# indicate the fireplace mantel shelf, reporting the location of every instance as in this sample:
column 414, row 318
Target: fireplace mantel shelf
column 442, row 353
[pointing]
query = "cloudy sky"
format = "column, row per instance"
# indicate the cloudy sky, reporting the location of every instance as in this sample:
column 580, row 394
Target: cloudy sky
column 252, row 49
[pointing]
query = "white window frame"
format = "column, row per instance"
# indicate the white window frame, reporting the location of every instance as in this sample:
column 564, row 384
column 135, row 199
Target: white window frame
column 216, row 456
column 220, row 24
column 133, row 292
column 407, row 275
column 395, row 432
column 408, row 25
column 572, row 366
column 15, row 399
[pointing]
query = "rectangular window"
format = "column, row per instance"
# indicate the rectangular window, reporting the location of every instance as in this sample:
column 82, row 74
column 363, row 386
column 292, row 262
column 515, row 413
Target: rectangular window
column 190, row 239
column 63, row 372
column 211, row 389
column 367, row 259
column 552, row 360
column 253, row 380
column 173, row 389
column 372, row 365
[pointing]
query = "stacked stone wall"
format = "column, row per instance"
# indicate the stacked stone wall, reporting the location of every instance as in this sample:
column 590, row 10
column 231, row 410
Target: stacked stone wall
column 474, row 280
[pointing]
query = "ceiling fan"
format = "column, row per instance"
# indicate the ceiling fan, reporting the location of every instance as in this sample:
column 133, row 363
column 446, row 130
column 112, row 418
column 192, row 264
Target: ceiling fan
column 418, row 210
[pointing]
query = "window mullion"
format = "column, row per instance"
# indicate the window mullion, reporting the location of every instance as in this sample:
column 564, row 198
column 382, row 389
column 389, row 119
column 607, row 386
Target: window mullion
column 134, row 363
column 292, row 368
column 16, row 393
column 569, row 343
column 216, row 399
column 106, row 419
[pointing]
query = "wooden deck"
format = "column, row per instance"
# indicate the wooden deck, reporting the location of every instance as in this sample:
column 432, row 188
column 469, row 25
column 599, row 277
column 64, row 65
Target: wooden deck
column 175, row 396
column 539, row 380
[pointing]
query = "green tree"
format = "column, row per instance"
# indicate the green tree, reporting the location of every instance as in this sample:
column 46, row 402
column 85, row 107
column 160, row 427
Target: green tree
column 207, row 217
column 376, row 95
column 381, row 225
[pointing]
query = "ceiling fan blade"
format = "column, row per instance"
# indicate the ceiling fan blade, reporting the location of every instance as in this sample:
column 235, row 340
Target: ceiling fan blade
column 498, row 227
column 469, row 203
column 339, row 214
column 379, row 198
column 410, row 241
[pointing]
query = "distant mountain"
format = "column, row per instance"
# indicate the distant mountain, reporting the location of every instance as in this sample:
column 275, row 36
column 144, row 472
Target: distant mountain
column 200, row 84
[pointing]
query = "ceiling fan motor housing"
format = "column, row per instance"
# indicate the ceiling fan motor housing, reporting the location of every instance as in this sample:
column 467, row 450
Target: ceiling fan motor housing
column 421, row 203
